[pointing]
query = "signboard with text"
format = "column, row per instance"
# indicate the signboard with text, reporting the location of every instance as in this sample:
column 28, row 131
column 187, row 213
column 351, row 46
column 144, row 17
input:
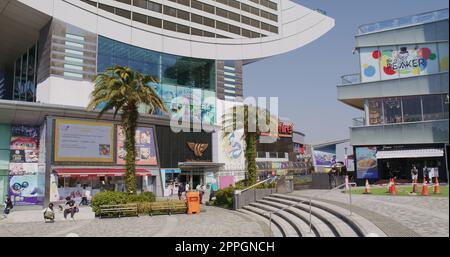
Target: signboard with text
column 83, row 141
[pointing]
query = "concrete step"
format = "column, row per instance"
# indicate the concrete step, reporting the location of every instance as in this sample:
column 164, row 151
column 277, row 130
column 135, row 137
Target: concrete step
column 299, row 225
column 360, row 225
column 283, row 225
column 276, row 232
column 337, row 227
column 318, row 227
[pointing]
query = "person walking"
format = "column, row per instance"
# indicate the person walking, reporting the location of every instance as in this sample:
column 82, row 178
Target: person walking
column 49, row 213
column 8, row 205
column 201, row 192
column 331, row 177
column 84, row 197
column 70, row 208
column 180, row 191
column 186, row 189
column 426, row 170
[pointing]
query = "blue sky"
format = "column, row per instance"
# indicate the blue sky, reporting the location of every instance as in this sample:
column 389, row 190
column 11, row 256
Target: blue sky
column 305, row 80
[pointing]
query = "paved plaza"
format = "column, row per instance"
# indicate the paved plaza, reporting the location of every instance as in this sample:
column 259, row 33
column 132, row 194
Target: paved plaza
column 395, row 215
column 211, row 222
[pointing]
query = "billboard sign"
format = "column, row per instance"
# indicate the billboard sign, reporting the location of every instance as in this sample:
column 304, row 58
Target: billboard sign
column 83, row 141
column 325, row 156
column 145, row 146
column 366, row 162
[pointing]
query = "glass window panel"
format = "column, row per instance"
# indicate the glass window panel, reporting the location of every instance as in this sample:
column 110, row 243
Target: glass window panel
column 208, row 8
column 123, row 13
column 140, row 18
column 443, row 56
column 432, row 107
column 208, row 22
column 196, row 4
column 154, row 22
column 222, row 12
column 183, row 15
column 234, row 3
column 183, row 29
column 445, row 99
column 185, row 2
column 196, row 32
column 234, row 16
column 392, row 110
column 140, row 3
column 412, row 109
column 375, row 112
column 154, row 7
column 170, row 26
column 170, row 11
column 106, row 8
column 196, row 18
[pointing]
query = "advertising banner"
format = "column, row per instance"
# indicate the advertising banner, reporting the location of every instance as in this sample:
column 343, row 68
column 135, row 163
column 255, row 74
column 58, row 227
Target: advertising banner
column 83, row 141
column 25, row 182
column 370, row 68
column 390, row 62
column 24, row 190
column 325, row 156
column 20, row 169
column 145, row 146
column 366, row 162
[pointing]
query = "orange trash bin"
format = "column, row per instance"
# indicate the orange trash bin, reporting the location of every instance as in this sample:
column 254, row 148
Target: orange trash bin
column 193, row 202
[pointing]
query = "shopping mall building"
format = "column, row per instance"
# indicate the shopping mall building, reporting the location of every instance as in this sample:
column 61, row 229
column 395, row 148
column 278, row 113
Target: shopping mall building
column 50, row 51
column 402, row 89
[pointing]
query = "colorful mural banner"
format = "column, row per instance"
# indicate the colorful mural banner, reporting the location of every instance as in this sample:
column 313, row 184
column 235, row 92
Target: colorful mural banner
column 366, row 162
column 325, row 156
column 24, row 190
column 26, row 185
column 390, row 62
column 83, row 141
column 145, row 146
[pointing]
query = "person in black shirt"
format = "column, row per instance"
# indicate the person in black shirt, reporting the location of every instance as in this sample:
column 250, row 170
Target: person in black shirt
column 70, row 208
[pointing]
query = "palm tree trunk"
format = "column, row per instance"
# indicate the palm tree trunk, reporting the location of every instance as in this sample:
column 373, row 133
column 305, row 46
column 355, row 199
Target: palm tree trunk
column 129, row 123
column 250, row 140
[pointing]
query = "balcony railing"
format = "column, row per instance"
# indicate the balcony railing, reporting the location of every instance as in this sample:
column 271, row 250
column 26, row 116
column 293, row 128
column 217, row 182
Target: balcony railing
column 358, row 122
column 351, row 79
column 407, row 21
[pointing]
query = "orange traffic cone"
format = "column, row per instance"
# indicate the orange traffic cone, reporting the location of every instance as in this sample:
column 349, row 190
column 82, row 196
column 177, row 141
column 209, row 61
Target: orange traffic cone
column 424, row 187
column 393, row 191
column 437, row 189
column 367, row 189
column 389, row 186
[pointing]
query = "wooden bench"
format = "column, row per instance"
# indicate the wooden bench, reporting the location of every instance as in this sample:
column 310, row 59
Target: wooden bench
column 168, row 206
column 119, row 209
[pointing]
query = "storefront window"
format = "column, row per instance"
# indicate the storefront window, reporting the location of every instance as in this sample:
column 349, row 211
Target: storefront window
column 412, row 109
column 375, row 111
column 432, row 107
column 392, row 110
column 445, row 99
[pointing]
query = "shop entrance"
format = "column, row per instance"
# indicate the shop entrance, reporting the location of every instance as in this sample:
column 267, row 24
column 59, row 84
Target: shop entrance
column 401, row 168
column 194, row 178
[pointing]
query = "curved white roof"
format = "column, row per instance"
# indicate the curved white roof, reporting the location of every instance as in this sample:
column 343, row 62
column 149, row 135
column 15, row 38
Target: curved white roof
column 297, row 26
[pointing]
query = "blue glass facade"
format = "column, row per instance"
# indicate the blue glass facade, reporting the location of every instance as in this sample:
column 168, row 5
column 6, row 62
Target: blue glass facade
column 187, row 77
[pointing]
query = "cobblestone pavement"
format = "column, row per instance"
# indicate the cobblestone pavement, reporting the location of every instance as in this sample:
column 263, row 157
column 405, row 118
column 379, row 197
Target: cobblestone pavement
column 396, row 215
column 214, row 222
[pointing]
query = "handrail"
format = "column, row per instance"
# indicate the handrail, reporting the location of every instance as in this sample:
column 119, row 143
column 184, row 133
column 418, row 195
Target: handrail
column 245, row 189
column 310, row 199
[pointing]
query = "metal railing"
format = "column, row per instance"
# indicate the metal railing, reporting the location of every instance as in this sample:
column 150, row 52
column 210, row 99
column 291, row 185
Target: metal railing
column 236, row 192
column 351, row 79
column 350, row 184
column 402, row 22
column 359, row 122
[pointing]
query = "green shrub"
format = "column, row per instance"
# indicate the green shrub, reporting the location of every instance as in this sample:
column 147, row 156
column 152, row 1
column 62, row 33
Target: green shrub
column 141, row 198
column 224, row 197
column 106, row 198
column 111, row 198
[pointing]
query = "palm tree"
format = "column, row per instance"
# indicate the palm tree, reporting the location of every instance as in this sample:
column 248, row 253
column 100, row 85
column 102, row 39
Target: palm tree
column 241, row 117
column 124, row 90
